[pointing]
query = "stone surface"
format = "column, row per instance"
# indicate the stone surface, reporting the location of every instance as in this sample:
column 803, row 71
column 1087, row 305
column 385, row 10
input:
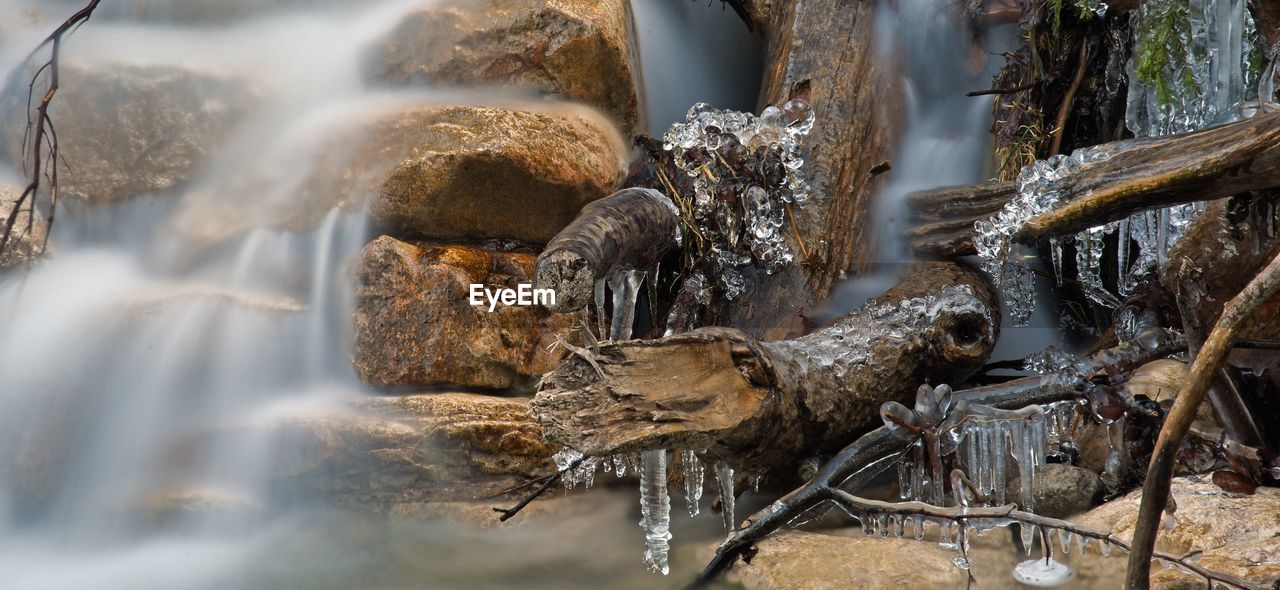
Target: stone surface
column 1061, row 490
column 433, row 172
column 799, row 560
column 24, row 246
column 495, row 173
column 581, row 49
column 1238, row 535
column 385, row 451
column 415, row 324
column 127, row 130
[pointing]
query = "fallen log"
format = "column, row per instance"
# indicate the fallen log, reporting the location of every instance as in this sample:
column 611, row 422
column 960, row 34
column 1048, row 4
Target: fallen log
column 1136, row 175
column 633, row 229
column 759, row 404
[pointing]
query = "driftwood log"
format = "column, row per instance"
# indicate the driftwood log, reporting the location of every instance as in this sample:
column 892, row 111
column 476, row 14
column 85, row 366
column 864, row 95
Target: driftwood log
column 633, row 229
column 943, row 218
column 1137, row 175
column 824, row 52
column 762, row 404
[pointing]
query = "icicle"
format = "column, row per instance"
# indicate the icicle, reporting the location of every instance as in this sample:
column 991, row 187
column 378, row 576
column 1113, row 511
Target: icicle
column 918, row 523
column 1083, row 543
column 724, row 477
column 1028, row 532
column 1055, row 254
column 1105, row 548
column 1064, row 540
column 899, row 526
column 655, row 510
column 1123, row 285
column 626, row 288
column 601, row 326
column 693, row 475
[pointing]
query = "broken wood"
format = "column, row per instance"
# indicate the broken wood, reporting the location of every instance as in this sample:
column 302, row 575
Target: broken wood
column 633, row 229
column 860, row 462
column 762, row 404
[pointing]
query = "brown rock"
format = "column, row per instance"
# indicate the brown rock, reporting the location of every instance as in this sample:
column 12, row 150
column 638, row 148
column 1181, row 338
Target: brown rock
column 475, row 172
column 127, row 130
column 1060, row 490
column 496, row 173
column 417, row 448
column 581, row 49
column 799, row 560
column 415, row 324
column 1239, row 535
column 24, row 246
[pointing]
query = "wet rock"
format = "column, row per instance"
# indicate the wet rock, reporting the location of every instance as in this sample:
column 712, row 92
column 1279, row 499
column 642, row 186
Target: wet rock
column 1238, row 535
column 127, row 130
column 475, row 172
column 24, row 246
column 415, row 324
column 179, row 504
column 800, row 560
column 385, row 451
column 581, row 49
column 496, row 173
column 1061, row 490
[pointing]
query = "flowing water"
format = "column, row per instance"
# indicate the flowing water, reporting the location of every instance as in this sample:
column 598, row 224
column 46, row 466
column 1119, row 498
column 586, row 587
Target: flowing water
column 140, row 363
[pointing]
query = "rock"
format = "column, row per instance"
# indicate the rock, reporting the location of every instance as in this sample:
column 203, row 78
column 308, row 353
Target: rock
column 415, row 325
column 1238, row 535
column 474, row 172
column 581, row 49
column 1061, row 490
column 127, row 130
column 801, row 560
column 177, row 504
column 24, row 247
column 496, row 173
column 385, row 451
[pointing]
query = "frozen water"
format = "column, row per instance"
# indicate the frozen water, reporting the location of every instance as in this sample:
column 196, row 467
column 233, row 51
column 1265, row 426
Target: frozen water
column 1043, row 573
column 694, row 473
column 655, row 510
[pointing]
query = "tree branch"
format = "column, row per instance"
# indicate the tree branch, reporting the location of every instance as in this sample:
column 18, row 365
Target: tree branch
column 1206, row 367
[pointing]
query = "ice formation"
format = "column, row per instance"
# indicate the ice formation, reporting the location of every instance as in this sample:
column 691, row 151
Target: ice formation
column 693, row 474
column 724, row 479
column 746, row 174
column 655, row 510
column 1192, row 67
column 1045, row 573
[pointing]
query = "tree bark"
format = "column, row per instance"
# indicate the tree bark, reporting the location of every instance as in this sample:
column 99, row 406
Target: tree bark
column 824, row 52
column 1220, row 162
column 763, row 404
column 633, row 229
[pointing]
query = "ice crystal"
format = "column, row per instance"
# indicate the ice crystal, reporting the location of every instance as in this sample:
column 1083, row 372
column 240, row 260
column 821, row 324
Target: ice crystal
column 746, row 173
column 694, row 473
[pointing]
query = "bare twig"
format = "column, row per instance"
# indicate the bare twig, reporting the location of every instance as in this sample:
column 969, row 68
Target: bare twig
column 550, row 482
column 40, row 134
column 964, row 515
column 1209, row 361
column 1069, row 100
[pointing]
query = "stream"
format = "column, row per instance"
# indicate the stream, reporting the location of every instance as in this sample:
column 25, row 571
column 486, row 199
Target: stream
column 149, row 356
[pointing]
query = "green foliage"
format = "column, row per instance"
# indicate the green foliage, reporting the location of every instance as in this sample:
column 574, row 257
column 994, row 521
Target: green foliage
column 1160, row 44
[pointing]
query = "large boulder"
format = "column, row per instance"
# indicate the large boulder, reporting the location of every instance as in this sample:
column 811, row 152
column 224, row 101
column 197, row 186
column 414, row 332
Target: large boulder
column 27, row 241
column 431, row 172
column 800, row 560
column 415, row 324
column 127, row 130
column 386, row 451
column 581, row 49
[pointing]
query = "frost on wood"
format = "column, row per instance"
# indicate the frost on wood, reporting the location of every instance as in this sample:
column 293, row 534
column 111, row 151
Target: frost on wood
column 1190, row 70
